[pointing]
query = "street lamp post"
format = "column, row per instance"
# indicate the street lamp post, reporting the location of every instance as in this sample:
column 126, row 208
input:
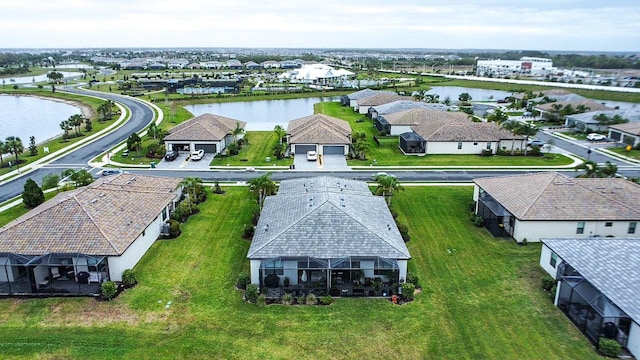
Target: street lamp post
column 588, row 153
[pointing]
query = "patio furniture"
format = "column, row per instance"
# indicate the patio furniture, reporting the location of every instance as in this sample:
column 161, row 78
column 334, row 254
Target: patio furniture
column 55, row 272
column 83, row 277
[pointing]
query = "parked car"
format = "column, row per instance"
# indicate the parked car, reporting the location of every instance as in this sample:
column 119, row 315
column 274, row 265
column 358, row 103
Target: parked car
column 596, row 137
column 171, row 155
column 312, row 156
column 538, row 143
column 111, row 171
column 197, row 155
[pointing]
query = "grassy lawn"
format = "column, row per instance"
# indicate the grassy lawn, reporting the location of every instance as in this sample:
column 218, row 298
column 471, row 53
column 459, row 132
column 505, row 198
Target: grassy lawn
column 482, row 301
column 388, row 154
column 260, row 147
column 633, row 153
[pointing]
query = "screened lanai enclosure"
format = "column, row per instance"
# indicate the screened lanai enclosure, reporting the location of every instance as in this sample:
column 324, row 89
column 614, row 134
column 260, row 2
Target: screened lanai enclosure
column 496, row 218
column 590, row 310
column 52, row 274
column 349, row 276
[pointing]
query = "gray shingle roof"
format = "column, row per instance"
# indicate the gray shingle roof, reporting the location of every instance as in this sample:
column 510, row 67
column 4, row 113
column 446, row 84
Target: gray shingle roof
column 379, row 99
column 206, row 127
column 101, row 219
column 611, row 265
column 404, row 105
column 365, row 93
column 319, row 129
column 554, row 196
column 326, row 223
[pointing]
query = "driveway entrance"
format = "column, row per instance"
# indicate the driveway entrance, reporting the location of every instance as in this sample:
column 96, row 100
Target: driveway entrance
column 329, row 163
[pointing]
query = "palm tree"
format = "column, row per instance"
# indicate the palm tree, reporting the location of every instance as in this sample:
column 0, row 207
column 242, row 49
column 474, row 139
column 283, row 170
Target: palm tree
column 498, row 116
column 14, row 145
column 64, row 125
column 262, row 186
column 511, row 126
column 281, row 132
column 237, row 132
column 592, row 170
column 76, row 121
column 279, row 150
column 527, row 130
column 387, row 184
column 360, row 148
column 190, row 184
column 2, row 150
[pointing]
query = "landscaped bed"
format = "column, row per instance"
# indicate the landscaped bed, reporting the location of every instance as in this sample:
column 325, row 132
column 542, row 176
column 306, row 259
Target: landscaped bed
column 481, row 299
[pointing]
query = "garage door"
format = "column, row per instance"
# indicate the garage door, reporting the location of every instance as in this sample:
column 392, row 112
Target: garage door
column 208, row 148
column 333, row 150
column 302, row 149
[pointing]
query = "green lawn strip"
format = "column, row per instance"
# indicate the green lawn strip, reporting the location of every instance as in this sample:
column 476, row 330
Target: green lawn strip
column 633, row 153
column 481, row 301
column 390, row 155
column 18, row 210
column 260, row 146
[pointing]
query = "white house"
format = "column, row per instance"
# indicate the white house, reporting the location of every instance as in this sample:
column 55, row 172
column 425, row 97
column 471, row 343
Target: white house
column 212, row 133
column 80, row 238
column 328, row 234
column 549, row 204
column 598, row 282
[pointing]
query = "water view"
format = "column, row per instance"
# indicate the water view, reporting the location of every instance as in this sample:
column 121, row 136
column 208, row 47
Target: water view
column 25, row 116
column 262, row 114
column 476, row 94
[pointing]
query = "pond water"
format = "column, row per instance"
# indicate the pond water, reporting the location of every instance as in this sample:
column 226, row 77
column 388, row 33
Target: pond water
column 25, row 116
column 36, row 79
column 476, row 94
column 263, row 114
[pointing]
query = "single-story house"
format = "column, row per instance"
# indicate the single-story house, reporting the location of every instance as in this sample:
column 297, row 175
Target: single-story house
column 72, row 243
column 402, row 105
column 212, row 133
column 399, row 122
column 550, row 204
column 587, row 122
column 328, row 234
column 451, row 132
column 252, row 65
column 628, row 133
column 321, row 133
column 351, row 99
column 363, row 104
column 598, row 282
column 588, row 104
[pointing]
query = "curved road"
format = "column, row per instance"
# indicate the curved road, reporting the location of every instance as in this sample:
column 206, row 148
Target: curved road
column 142, row 115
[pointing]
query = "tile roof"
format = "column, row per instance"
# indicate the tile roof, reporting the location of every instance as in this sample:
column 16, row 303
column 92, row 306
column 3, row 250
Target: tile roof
column 101, row 219
column 365, row 93
column 447, row 126
column 380, row 99
column 611, row 265
column 554, row 196
column 592, row 105
column 206, row 127
column 326, row 223
column 319, row 129
column 631, row 128
column 631, row 114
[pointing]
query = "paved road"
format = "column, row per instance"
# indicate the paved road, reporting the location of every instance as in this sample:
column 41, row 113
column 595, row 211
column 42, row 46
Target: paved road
column 141, row 116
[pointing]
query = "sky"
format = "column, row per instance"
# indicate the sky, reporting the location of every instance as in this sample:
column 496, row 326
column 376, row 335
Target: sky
column 571, row 25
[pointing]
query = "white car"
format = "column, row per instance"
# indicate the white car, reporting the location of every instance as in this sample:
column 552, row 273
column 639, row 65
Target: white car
column 312, row 156
column 197, row 155
column 596, row 137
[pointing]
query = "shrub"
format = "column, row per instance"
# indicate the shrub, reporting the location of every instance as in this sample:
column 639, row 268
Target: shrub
column 326, row 300
column 300, row 300
column 404, row 232
column 248, row 231
column 407, row 291
column 129, row 278
column 311, row 299
column 477, row 220
column 609, row 347
column 261, row 300
column 287, row 299
column 174, row 228
column 413, row 279
column 552, row 292
column 286, row 281
column 472, row 205
column 486, row 152
column 233, row 148
column 251, row 294
column 217, row 189
column 109, row 290
column 548, row 282
column 243, row 280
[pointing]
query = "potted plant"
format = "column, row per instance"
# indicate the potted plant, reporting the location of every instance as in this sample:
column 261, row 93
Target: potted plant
column 286, row 281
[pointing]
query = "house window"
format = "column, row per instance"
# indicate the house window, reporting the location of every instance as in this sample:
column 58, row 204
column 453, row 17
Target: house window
column 632, row 227
column 554, row 259
column 460, row 146
column 580, row 229
column 608, row 224
column 488, row 146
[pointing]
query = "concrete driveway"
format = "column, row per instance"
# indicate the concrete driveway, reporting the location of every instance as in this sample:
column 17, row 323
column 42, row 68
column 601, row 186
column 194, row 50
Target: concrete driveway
column 181, row 162
column 329, row 163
